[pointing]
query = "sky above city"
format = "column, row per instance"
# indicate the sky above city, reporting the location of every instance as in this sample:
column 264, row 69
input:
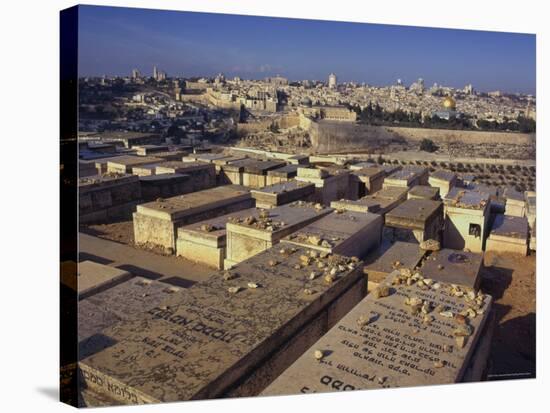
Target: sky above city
column 113, row 41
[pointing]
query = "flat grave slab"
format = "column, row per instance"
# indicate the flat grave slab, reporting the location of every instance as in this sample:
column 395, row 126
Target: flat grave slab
column 265, row 228
column 455, row 267
column 93, row 277
column 423, row 192
column 364, row 205
column 414, row 213
column 282, row 174
column 282, row 193
column 124, row 301
column 156, row 222
column 222, row 336
column 124, row 163
column 509, row 234
column 399, row 255
column 385, row 343
column 344, row 233
column 205, row 241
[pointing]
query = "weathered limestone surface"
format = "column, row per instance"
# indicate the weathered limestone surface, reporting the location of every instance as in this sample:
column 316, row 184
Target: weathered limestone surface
column 208, row 341
column 399, row 255
column 352, row 234
column 509, row 234
column 414, row 220
column 93, row 277
column 282, row 174
column 103, row 197
column 367, row 179
column 388, row 198
column 282, row 193
column 124, row 164
column 165, row 186
column 381, row 343
column 203, row 175
column 363, row 205
column 455, row 267
column 254, row 174
column 156, row 222
column 232, row 172
column 466, row 219
column 328, row 187
column 143, row 150
column 423, row 192
column 205, row 241
column 402, row 178
column 515, row 203
column 125, row 301
column 444, row 180
column 254, row 234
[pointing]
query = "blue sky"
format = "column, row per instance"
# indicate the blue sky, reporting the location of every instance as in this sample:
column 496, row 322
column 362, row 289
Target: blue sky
column 113, row 41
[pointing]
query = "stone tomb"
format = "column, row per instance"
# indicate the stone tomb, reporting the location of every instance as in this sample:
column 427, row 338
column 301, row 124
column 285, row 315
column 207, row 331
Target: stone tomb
column 224, row 337
column 156, row 223
column 407, row 177
column 265, row 228
column 205, row 241
column 104, row 197
column 203, row 175
column 509, row 234
column 144, row 150
column 423, row 192
column 233, row 172
column 455, row 267
column 328, row 187
column 165, row 186
column 363, row 205
column 367, row 180
column 415, row 220
column 399, row 255
column 255, row 173
column 93, row 278
column 282, row 193
column 466, row 219
column 124, row 164
column 515, row 203
column 387, row 198
column 125, row 301
column 444, row 180
column 283, row 174
column 352, row 234
column 385, row 343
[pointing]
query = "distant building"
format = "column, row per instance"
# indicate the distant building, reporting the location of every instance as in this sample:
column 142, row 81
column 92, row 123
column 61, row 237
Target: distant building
column 155, row 73
column 135, row 74
column 332, row 81
column 418, row 86
column 469, row 89
column 277, row 80
column 449, row 109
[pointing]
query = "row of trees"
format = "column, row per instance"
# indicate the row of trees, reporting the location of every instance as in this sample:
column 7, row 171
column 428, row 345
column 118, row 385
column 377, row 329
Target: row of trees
column 376, row 115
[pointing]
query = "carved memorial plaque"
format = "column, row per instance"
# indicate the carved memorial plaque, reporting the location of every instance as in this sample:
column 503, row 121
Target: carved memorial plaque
column 418, row 334
column 202, row 342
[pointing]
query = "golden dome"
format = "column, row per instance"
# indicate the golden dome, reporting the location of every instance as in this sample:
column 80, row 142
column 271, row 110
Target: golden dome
column 449, row 103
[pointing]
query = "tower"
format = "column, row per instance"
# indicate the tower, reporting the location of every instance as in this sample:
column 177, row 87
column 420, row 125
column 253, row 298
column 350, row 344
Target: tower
column 332, row 81
column 155, row 73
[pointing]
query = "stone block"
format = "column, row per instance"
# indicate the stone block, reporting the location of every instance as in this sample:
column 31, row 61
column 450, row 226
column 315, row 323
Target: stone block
column 221, row 336
column 263, row 229
column 128, row 300
column 455, row 267
column 156, row 222
column 384, row 343
column 282, row 193
column 344, row 233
